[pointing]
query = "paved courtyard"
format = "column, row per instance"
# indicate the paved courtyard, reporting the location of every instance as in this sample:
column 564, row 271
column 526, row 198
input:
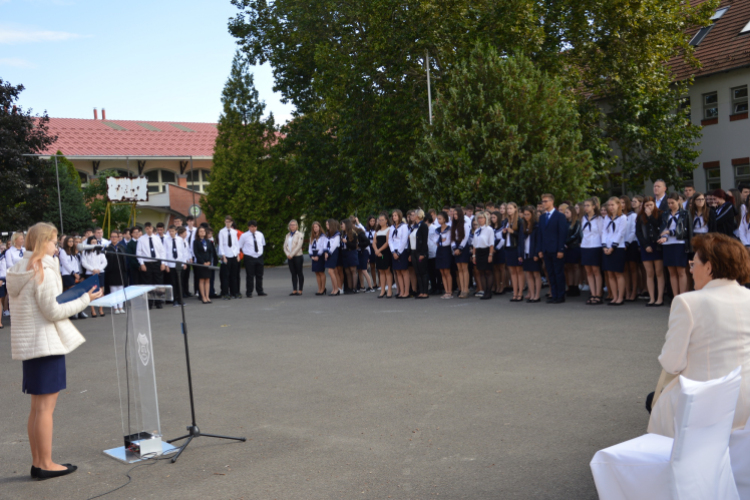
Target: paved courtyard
column 356, row 398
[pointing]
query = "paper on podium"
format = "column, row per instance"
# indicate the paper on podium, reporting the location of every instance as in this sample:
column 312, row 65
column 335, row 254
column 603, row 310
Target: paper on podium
column 156, row 292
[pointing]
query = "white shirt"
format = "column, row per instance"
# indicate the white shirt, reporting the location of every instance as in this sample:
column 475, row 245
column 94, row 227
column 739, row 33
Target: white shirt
column 224, row 249
column 190, row 238
column 332, row 243
column 398, row 238
column 613, row 235
column 657, row 201
column 700, row 226
column 317, row 247
column 413, row 238
column 13, row 255
column 671, row 240
column 182, row 253
column 499, row 240
column 104, row 242
column 484, row 237
column 591, row 231
column 744, row 231
column 3, row 268
column 467, row 233
column 630, row 231
column 444, row 237
column 69, row 264
column 144, row 248
column 432, row 240
column 92, row 261
column 247, row 243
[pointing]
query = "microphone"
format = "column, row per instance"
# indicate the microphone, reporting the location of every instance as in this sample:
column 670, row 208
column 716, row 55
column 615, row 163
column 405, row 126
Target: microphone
column 85, row 246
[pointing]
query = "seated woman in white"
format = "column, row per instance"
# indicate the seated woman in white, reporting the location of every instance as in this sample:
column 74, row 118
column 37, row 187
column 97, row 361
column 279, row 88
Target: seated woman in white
column 709, row 329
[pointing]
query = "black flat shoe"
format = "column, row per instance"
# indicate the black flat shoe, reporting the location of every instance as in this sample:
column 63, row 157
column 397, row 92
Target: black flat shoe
column 293, row 294
column 657, row 305
column 33, row 472
column 42, row 474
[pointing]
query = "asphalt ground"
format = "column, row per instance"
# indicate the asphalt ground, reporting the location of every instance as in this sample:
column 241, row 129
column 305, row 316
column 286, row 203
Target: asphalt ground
column 356, row 398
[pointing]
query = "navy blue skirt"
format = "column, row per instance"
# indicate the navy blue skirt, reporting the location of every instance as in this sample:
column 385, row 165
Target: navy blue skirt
column 101, row 279
column 573, row 255
column 591, row 257
column 674, row 255
column 332, row 260
column 498, row 258
column 351, row 259
column 402, row 263
column 44, row 375
column 656, row 254
column 464, row 258
column 319, row 266
column 364, row 258
column 443, row 258
column 3, row 289
column 68, row 281
column 632, row 252
column 371, row 254
column 614, row 262
column 511, row 257
column 532, row 266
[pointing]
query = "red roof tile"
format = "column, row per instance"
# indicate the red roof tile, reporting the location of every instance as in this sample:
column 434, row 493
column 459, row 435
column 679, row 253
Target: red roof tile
column 83, row 137
column 724, row 47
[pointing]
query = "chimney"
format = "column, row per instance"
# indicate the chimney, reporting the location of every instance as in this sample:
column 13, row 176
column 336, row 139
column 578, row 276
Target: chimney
column 104, row 114
column 96, row 114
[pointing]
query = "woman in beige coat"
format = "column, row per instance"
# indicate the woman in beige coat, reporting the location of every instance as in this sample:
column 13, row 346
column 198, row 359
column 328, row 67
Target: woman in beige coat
column 41, row 335
column 293, row 250
column 709, row 329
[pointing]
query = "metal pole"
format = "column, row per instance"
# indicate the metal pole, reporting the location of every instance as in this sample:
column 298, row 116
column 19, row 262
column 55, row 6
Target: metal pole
column 429, row 90
column 59, row 199
column 192, row 178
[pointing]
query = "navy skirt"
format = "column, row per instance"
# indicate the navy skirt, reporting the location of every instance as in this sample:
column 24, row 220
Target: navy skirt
column 44, row 375
column 332, row 260
column 402, row 263
column 68, row 281
column 319, row 266
column 650, row 257
column 101, row 279
column 371, row 255
column 498, row 258
column 464, row 258
column 632, row 252
column 3, row 289
column 443, row 258
column 511, row 257
column 340, row 258
column 674, row 255
column 351, row 258
column 573, row 255
column 364, row 258
column 591, row 257
column 614, row 262
column 532, row 266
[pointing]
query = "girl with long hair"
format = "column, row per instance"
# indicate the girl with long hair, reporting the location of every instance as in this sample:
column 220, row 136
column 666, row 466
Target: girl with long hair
column 513, row 233
column 363, row 252
column 340, row 260
column 532, row 266
column 316, row 249
column 205, row 253
column 591, row 249
column 632, row 251
column 460, row 231
column 94, row 262
column 647, row 232
column 383, row 256
column 725, row 213
column 674, row 233
column 331, row 253
column 398, row 242
column 483, row 254
column 444, row 256
column 351, row 256
column 371, row 228
column 498, row 258
column 613, row 241
column 572, row 250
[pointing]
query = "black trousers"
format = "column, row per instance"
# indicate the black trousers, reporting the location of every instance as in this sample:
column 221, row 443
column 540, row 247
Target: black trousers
column 556, row 274
column 436, row 280
column 295, row 267
column 134, row 276
column 230, row 277
column 185, row 276
column 175, row 277
column 253, row 271
column 152, row 276
column 422, row 271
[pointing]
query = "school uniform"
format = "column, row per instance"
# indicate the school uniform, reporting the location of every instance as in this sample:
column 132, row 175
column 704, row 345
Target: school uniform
column 432, row 239
column 3, row 272
column 370, row 233
column 229, row 248
column 203, row 251
column 70, row 265
column 632, row 250
column 443, row 253
column 94, row 260
column 419, row 255
column 613, row 237
column 744, row 231
column 553, row 232
column 315, row 249
column 498, row 258
column 397, row 244
column 189, row 240
column 332, row 250
column 363, row 251
column 252, row 245
column 591, row 241
column 175, row 248
column 674, row 249
column 463, row 246
column 725, row 221
column 13, row 255
column 513, row 250
column 383, row 263
column 648, row 234
column 351, row 257
column 149, row 248
column 573, row 244
column 531, row 249
column 483, row 241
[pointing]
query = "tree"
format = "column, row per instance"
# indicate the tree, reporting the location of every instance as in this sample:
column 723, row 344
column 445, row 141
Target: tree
column 76, row 215
column 25, row 180
column 248, row 178
column 502, row 130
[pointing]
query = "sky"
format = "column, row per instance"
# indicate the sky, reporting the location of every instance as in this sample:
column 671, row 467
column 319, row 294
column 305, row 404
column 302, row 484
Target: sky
column 160, row 60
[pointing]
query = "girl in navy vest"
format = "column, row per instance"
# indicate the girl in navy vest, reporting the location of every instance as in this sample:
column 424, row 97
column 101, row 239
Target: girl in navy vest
column 444, row 255
column 647, row 232
column 532, row 266
column 331, row 255
column 315, row 250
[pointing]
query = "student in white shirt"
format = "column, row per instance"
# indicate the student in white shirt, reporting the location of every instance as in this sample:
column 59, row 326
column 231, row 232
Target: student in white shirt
column 436, row 281
column 252, row 243
column 498, row 258
column 175, row 249
column 398, row 245
column 591, row 249
column 613, row 243
column 149, row 250
column 229, row 251
column 16, row 250
column 100, row 239
column 94, row 262
column 190, row 239
column 460, row 232
column 444, row 254
column 632, row 252
column 316, row 251
column 370, row 230
column 483, row 253
column 331, row 256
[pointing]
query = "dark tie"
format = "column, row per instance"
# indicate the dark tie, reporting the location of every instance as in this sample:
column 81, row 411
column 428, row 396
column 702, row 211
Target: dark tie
column 697, row 222
column 162, row 239
column 174, row 249
column 229, row 238
column 547, row 218
column 611, row 223
column 98, row 242
column 255, row 243
column 587, row 225
column 672, row 219
column 151, row 245
column 20, row 253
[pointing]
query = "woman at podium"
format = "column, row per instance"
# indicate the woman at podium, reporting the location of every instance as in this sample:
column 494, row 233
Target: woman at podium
column 41, row 336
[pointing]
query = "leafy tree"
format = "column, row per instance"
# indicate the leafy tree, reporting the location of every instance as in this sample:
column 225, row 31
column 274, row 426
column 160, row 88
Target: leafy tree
column 25, row 180
column 249, row 180
column 95, row 195
column 76, row 215
column 503, row 130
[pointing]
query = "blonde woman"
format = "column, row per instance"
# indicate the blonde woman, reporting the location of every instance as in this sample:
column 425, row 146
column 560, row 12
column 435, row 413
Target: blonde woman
column 41, row 336
column 293, row 250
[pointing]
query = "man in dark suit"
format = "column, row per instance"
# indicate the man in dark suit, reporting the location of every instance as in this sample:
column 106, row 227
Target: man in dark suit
column 660, row 195
column 554, row 233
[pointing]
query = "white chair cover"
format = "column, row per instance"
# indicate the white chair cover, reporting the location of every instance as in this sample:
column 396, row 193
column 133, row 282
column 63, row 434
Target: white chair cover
column 695, row 465
column 739, row 451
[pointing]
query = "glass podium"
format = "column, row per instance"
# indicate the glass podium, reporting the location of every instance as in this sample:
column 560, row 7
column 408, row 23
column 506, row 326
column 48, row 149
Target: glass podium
column 134, row 359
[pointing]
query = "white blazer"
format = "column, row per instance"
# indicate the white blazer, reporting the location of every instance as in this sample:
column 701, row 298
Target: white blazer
column 708, row 337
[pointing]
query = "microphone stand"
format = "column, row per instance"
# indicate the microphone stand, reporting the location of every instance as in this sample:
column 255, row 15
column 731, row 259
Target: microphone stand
column 193, row 430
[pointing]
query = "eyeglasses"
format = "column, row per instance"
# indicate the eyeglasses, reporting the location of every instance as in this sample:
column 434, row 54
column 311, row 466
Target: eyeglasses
column 700, row 199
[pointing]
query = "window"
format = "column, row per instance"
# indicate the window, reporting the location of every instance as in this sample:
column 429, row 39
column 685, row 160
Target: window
column 713, row 178
column 698, row 38
column 741, row 174
column 158, row 179
column 84, row 177
column 710, row 106
column 746, row 29
column 739, row 100
column 198, row 180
